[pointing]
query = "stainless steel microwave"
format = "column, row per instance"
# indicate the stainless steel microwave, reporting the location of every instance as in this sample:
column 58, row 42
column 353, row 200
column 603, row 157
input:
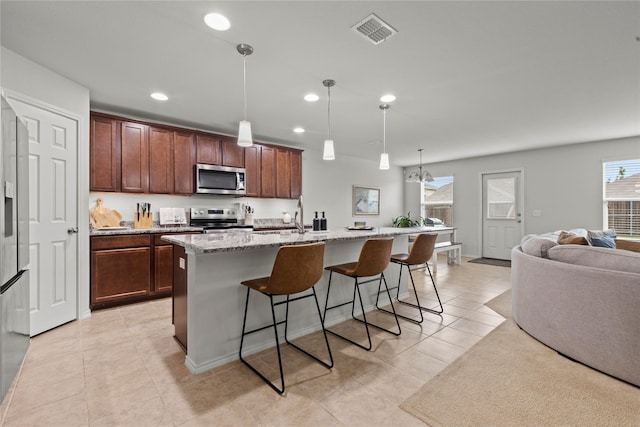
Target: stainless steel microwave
column 212, row 179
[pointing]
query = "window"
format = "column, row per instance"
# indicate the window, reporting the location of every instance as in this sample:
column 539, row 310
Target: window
column 437, row 199
column 501, row 198
column 622, row 197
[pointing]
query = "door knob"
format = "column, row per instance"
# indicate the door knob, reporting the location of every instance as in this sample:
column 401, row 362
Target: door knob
column 72, row 230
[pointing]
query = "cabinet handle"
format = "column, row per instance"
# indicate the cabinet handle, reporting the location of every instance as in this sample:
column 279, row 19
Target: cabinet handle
column 72, row 230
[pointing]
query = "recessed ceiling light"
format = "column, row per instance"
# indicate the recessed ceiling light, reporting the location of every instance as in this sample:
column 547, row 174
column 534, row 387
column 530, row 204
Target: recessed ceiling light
column 217, row 22
column 159, row 96
column 311, row 97
column 298, row 130
column 387, row 98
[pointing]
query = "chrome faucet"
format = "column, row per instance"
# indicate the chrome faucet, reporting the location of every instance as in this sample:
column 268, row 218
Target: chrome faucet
column 300, row 225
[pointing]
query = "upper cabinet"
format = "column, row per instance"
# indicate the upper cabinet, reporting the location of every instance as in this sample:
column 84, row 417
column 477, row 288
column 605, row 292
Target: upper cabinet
column 104, row 156
column 135, row 157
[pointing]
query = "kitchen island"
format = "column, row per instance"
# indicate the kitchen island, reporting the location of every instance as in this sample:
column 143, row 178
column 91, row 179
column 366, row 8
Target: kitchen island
column 208, row 309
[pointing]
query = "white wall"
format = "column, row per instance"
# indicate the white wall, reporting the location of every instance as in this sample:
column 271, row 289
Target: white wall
column 24, row 77
column 564, row 183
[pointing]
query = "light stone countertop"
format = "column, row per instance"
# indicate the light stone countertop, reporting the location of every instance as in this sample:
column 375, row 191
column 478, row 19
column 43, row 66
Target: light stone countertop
column 239, row 241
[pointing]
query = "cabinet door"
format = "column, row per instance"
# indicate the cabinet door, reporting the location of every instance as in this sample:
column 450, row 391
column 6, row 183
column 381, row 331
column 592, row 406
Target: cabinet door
column 208, row 149
column 163, row 270
column 184, row 158
column 232, row 153
column 118, row 274
column 104, row 157
column 135, row 158
column 296, row 174
column 252, row 163
column 268, row 172
column 283, row 174
column 160, row 161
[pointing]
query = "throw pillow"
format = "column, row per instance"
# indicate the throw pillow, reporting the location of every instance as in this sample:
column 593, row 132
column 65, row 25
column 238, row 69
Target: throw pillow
column 566, row 238
column 538, row 246
column 600, row 233
column 597, row 257
column 603, row 242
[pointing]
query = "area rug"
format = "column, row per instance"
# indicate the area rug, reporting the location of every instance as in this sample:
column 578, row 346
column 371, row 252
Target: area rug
column 510, row 379
column 492, row 261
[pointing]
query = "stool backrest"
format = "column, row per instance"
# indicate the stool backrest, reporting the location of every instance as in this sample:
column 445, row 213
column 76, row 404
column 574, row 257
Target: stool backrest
column 374, row 257
column 422, row 249
column 296, row 268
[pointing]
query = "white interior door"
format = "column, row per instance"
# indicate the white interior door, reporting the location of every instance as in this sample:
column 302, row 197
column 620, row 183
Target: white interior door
column 53, row 144
column 501, row 215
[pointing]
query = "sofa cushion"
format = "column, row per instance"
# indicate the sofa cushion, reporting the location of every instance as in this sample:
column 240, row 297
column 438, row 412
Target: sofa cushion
column 567, row 238
column 538, row 246
column 609, row 259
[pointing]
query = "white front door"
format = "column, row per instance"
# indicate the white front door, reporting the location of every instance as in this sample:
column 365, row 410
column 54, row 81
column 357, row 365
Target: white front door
column 501, row 214
column 53, row 143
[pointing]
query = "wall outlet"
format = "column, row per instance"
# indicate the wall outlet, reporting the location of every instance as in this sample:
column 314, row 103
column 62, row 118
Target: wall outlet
column 537, row 212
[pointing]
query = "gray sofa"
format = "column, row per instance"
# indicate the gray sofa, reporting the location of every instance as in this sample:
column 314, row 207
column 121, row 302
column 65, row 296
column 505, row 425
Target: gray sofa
column 582, row 301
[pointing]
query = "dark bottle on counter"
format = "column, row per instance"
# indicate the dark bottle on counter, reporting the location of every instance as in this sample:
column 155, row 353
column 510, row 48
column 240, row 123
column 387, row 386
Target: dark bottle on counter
column 323, row 222
column 316, row 222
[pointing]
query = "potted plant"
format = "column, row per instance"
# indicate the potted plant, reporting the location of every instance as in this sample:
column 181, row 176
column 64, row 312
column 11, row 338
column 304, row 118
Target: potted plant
column 406, row 221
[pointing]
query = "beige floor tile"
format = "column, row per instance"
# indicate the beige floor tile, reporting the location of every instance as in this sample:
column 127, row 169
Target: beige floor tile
column 122, row 366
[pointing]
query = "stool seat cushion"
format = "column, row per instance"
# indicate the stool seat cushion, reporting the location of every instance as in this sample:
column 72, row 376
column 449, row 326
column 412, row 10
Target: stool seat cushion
column 259, row 285
column 348, row 269
column 401, row 258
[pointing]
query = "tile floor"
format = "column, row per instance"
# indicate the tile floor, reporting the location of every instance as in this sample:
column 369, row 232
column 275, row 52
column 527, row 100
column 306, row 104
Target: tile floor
column 122, row 367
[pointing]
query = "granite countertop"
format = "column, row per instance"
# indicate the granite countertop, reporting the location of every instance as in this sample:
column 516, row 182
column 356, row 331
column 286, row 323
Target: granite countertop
column 239, row 241
column 156, row 228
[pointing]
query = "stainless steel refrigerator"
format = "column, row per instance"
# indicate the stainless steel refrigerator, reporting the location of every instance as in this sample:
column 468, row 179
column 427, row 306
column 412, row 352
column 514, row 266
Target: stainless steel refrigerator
column 14, row 245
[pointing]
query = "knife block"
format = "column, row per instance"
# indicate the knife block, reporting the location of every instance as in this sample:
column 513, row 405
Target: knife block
column 144, row 221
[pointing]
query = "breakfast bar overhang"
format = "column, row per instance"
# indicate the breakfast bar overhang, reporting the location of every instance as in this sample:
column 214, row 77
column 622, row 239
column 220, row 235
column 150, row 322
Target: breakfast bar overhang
column 215, row 264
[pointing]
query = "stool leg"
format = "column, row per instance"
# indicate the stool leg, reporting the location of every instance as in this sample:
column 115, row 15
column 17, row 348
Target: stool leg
column 437, row 295
column 324, row 332
column 275, row 329
column 352, row 302
column 410, row 319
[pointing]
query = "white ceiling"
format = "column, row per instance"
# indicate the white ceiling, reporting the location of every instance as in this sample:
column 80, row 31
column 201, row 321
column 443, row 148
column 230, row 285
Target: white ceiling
column 471, row 78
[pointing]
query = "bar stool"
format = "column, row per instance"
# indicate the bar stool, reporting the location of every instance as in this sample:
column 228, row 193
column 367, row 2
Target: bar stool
column 297, row 268
column 420, row 253
column 374, row 258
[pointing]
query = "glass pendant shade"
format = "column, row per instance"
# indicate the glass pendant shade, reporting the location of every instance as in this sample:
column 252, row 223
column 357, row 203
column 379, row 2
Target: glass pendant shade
column 384, row 161
column 419, row 176
column 244, row 134
column 328, row 153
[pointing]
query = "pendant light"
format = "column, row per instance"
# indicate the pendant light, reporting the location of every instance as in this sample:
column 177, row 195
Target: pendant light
column 384, row 157
column 328, row 153
column 244, row 130
column 419, row 176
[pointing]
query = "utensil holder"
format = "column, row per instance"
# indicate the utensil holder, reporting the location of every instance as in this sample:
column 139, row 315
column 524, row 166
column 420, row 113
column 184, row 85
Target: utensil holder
column 248, row 219
column 142, row 220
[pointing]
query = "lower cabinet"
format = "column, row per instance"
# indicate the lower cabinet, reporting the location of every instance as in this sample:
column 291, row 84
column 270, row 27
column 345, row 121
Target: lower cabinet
column 130, row 268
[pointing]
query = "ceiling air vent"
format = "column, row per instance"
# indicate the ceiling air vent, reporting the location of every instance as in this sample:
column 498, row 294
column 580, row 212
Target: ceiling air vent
column 374, row 29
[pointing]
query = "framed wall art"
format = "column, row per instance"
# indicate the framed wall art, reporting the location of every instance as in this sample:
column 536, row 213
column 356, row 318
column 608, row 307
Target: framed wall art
column 366, row 200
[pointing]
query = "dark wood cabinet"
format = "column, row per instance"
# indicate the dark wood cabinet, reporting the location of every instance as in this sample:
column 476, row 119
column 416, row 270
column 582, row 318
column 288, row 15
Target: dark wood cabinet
column 184, row 157
column 253, row 167
column 232, row 153
column 135, row 157
column 160, row 160
column 208, row 149
column 129, row 268
column 120, row 269
column 268, row 172
column 104, row 156
column 283, row 174
column 296, row 174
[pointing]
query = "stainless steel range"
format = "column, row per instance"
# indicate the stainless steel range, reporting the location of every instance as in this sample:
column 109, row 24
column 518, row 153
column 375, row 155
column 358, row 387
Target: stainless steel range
column 217, row 220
